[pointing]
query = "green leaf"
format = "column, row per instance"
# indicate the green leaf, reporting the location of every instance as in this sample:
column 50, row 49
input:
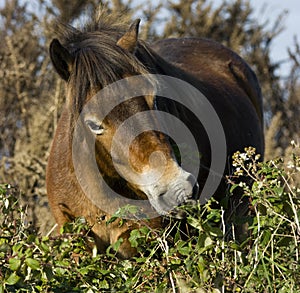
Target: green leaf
column 12, row 279
column 49, row 273
column 32, row 263
column 266, row 237
column 31, row 238
column 4, row 247
column 103, row 285
column 144, row 230
column 134, row 236
column 141, row 260
column 204, row 242
column 2, row 189
column 123, row 213
column 18, row 246
column 14, row 264
column 104, row 272
column 60, row 271
column 45, row 238
column 84, row 270
column 184, row 250
column 45, row 247
column 111, row 220
column 117, row 244
column 195, row 223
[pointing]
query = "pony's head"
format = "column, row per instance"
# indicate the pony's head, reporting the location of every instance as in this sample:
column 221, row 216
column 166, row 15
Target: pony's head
column 117, row 114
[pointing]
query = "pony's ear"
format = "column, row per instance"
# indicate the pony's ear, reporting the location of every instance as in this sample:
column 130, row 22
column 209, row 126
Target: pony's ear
column 129, row 40
column 61, row 59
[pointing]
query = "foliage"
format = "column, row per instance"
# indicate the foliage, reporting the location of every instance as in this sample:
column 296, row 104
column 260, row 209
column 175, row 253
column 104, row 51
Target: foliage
column 203, row 258
column 32, row 96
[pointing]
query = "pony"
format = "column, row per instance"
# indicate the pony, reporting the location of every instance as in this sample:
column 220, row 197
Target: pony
column 93, row 168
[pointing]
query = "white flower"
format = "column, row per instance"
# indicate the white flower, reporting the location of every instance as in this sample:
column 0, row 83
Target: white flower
column 244, row 156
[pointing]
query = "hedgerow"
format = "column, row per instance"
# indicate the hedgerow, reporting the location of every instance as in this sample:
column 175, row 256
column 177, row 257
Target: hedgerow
column 205, row 258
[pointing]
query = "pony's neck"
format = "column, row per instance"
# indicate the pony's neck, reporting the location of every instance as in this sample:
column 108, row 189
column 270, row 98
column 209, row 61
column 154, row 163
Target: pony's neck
column 154, row 63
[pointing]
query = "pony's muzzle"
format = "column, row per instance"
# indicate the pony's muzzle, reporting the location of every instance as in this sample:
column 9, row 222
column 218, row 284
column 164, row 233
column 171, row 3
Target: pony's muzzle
column 184, row 190
column 191, row 200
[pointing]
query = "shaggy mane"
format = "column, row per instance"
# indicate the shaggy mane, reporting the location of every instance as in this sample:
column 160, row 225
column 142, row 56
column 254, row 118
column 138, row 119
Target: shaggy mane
column 99, row 61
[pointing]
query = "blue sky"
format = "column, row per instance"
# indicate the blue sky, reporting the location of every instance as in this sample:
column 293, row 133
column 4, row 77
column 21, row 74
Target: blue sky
column 292, row 24
column 270, row 10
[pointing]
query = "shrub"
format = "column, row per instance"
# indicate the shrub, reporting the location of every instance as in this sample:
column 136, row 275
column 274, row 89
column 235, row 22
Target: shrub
column 200, row 260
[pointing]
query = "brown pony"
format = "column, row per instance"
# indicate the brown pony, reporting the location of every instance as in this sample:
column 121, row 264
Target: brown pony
column 93, row 170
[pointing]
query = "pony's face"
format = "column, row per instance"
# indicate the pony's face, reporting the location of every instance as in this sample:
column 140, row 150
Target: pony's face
column 127, row 146
column 124, row 132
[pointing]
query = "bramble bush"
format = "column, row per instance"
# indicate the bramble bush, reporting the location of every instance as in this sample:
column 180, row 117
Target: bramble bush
column 203, row 259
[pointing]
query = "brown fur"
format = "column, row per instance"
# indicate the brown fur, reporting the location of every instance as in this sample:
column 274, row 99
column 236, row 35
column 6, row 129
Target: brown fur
column 224, row 78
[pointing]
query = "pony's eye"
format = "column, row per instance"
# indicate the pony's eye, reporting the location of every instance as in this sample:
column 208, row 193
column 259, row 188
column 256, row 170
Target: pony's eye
column 95, row 127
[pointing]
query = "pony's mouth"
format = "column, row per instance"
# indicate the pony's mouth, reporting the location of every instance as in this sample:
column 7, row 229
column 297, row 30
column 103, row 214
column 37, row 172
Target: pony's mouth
column 181, row 193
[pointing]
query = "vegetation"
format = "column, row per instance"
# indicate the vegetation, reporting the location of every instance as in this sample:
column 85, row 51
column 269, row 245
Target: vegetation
column 210, row 260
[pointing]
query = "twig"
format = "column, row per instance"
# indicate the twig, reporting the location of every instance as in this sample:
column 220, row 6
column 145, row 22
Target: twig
column 235, row 254
column 165, row 247
column 51, row 230
column 258, row 231
column 223, row 241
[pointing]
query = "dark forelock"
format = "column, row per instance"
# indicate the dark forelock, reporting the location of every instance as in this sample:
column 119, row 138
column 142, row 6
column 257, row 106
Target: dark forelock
column 99, row 61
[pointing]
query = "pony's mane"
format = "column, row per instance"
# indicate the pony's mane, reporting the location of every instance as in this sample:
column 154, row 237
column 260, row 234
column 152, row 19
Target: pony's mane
column 99, row 61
